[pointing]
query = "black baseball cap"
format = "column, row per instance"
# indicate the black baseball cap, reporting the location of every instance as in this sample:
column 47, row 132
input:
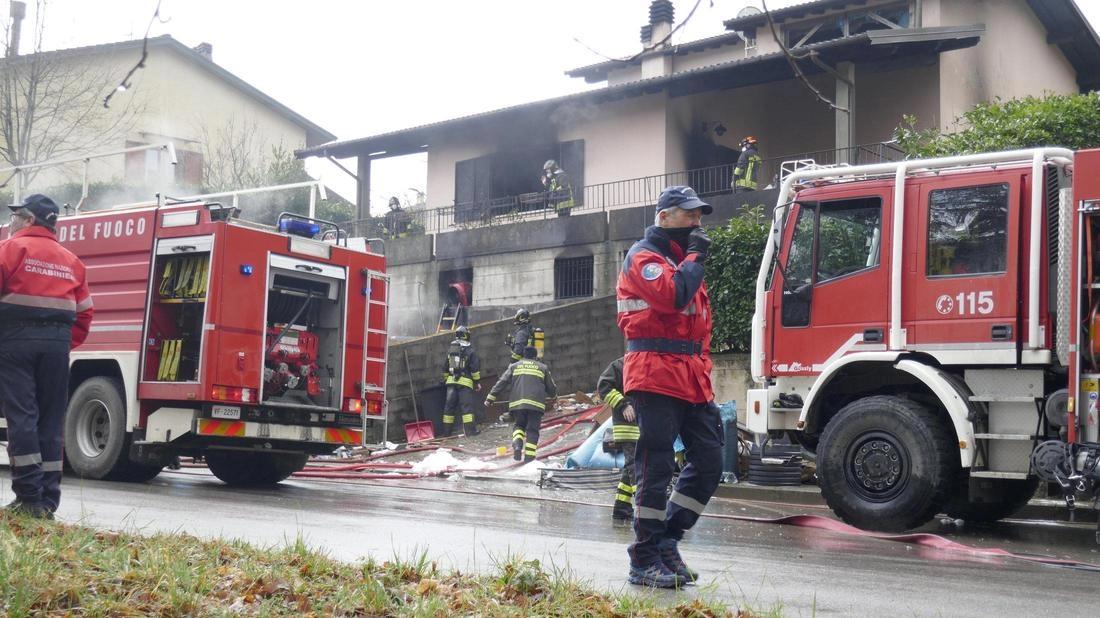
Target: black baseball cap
column 43, row 208
column 681, row 197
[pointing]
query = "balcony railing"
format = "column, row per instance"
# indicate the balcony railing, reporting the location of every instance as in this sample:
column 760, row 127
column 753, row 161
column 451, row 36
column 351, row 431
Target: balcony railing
column 613, row 195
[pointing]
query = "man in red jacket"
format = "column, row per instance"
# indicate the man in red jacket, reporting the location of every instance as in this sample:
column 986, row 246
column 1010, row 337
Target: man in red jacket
column 45, row 310
column 664, row 313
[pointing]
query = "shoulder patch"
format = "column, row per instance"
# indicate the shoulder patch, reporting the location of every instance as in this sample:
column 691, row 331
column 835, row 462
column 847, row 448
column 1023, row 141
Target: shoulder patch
column 651, row 272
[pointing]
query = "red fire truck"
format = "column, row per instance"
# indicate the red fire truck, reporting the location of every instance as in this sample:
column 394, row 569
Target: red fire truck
column 929, row 330
column 249, row 346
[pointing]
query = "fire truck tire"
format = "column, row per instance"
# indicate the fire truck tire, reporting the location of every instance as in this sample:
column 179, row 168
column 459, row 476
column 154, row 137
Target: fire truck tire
column 96, row 443
column 238, row 468
column 1011, row 496
column 886, row 464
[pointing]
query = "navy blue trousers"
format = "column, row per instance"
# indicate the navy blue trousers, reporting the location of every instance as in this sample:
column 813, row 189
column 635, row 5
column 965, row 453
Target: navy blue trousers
column 657, row 515
column 34, row 393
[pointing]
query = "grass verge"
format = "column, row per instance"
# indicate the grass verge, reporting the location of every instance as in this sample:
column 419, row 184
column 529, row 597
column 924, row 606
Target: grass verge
column 57, row 569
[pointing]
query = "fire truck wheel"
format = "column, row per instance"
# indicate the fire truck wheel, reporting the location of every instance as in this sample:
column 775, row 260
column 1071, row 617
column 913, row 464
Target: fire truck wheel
column 1001, row 498
column 251, row 468
column 96, row 443
column 886, row 463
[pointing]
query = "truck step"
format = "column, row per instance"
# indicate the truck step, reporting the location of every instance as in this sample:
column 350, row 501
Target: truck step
column 1003, row 436
column 1002, row 398
column 986, row 474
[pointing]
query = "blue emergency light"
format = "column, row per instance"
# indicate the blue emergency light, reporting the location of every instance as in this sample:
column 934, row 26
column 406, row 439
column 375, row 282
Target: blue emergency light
column 246, row 269
column 299, row 228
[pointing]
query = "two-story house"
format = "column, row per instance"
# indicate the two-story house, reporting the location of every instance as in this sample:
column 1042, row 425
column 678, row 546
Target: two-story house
column 830, row 83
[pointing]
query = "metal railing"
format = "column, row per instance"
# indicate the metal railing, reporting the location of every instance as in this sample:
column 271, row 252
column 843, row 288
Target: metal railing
column 642, row 191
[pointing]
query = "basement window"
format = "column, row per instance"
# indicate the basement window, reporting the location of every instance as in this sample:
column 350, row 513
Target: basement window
column 573, row 277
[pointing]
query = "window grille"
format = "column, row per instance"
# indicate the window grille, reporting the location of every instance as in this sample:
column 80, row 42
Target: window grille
column 573, row 277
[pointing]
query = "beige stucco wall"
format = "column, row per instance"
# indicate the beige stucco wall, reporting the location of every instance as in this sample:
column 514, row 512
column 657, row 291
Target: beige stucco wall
column 171, row 99
column 622, row 139
column 1013, row 59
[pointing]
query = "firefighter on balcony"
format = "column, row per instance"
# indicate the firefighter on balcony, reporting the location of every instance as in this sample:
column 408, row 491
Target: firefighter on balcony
column 748, row 167
column 559, row 189
column 624, row 431
column 397, row 220
column 462, row 375
column 45, row 311
column 664, row 313
column 529, row 385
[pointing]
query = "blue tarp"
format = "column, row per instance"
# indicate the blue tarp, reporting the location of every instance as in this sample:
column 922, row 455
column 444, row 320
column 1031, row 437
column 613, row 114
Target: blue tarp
column 590, row 454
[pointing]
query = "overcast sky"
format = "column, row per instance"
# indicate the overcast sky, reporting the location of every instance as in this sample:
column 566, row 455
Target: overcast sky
column 362, row 67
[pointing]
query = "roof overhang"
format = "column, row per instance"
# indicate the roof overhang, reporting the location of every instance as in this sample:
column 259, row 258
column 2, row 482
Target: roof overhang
column 878, row 46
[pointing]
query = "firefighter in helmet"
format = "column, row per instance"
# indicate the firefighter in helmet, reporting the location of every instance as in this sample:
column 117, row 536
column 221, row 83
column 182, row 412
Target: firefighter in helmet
column 523, row 336
column 748, row 167
column 529, row 385
column 396, row 221
column 560, row 190
column 462, row 376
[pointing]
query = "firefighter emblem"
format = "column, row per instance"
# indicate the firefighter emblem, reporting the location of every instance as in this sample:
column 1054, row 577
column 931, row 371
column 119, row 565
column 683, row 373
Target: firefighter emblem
column 944, row 304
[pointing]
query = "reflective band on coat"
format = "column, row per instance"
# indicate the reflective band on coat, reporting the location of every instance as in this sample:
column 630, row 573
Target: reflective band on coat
column 627, row 305
column 42, row 302
column 613, row 398
column 526, row 402
column 626, row 489
column 526, row 371
column 26, row 460
column 626, row 433
column 645, row 512
column 687, row 502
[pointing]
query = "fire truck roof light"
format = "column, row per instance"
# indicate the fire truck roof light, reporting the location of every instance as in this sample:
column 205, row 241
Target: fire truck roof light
column 299, row 228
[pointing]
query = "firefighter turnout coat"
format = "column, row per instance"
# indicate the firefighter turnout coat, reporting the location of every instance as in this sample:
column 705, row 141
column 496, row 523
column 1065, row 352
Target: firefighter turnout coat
column 461, row 367
column 664, row 313
column 529, row 384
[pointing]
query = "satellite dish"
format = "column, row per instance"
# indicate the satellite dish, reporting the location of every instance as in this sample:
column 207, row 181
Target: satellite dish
column 748, row 11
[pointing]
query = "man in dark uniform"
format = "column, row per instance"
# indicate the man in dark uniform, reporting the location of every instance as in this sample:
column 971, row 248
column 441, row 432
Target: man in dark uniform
column 523, row 336
column 558, row 187
column 530, row 385
column 45, row 311
column 462, row 375
column 624, row 432
column 664, row 313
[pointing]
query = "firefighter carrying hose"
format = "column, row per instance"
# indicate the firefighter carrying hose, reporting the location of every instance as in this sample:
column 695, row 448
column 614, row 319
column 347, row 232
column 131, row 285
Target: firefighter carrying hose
column 529, row 385
column 45, row 311
column 664, row 313
column 462, row 375
column 624, row 431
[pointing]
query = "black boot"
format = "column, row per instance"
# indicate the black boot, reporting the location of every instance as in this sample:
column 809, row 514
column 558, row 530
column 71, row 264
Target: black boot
column 517, row 449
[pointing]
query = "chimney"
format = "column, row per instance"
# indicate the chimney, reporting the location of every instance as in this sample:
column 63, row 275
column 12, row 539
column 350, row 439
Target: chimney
column 657, row 63
column 661, row 14
column 206, row 50
column 18, row 11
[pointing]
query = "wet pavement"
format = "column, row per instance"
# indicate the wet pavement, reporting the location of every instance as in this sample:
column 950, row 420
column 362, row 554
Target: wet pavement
column 472, row 520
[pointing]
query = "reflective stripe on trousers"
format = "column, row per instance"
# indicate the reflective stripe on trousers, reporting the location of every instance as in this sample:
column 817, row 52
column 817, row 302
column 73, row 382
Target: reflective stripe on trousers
column 661, row 419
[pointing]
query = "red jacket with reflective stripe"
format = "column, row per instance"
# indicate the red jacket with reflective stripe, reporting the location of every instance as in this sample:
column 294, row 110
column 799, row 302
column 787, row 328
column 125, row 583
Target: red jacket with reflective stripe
column 661, row 295
column 42, row 281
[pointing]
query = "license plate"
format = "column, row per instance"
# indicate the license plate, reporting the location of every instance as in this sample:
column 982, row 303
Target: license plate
column 229, row 412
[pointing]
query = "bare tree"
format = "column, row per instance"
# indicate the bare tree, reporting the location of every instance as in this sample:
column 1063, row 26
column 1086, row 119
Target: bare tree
column 51, row 102
column 233, row 156
column 236, row 157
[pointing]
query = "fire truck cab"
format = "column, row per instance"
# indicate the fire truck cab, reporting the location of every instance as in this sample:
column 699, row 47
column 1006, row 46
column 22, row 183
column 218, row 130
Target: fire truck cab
column 249, row 346
column 928, row 331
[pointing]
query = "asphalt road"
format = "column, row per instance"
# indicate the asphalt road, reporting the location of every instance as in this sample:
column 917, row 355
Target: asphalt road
column 469, row 524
